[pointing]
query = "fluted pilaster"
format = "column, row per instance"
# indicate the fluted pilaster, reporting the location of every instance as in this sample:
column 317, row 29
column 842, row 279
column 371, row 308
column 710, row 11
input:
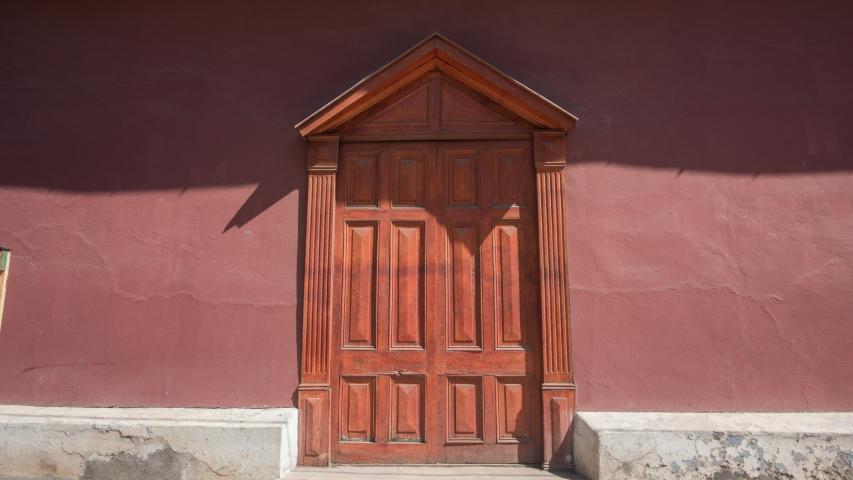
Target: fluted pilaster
column 558, row 390
column 314, row 388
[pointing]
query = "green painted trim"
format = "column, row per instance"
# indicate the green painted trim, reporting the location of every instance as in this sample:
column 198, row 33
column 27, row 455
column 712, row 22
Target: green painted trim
column 4, row 259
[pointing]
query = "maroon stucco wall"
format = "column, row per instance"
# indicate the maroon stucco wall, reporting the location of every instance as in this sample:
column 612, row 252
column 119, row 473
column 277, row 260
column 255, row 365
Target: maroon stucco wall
column 152, row 190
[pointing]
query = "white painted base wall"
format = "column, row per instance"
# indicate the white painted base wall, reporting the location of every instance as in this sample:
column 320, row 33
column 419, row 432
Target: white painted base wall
column 260, row 444
column 719, row 446
column 140, row 443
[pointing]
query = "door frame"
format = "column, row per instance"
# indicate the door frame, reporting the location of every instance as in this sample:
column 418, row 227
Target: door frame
column 326, row 129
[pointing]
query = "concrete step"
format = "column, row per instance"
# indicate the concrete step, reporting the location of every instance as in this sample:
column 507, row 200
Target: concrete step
column 423, row 472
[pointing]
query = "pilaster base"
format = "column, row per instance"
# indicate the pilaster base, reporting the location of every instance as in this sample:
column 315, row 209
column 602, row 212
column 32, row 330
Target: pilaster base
column 558, row 411
column 314, row 425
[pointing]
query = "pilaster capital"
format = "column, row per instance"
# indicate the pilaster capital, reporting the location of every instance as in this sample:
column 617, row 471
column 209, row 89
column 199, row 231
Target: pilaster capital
column 549, row 150
column 323, row 153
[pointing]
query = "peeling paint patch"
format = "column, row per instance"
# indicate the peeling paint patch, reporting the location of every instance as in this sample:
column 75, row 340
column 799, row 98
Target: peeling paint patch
column 165, row 464
column 842, row 466
column 628, row 446
column 145, row 444
column 727, row 474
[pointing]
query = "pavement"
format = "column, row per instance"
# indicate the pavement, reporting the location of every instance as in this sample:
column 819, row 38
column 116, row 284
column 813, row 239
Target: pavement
column 422, row 472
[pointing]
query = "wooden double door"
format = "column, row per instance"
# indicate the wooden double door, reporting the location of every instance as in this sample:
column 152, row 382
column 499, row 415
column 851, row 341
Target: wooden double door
column 435, row 337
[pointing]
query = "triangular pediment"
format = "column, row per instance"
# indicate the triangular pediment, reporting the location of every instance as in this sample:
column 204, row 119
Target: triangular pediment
column 437, row 88
column 464, row 108
column 412, row 108
column 435, row 105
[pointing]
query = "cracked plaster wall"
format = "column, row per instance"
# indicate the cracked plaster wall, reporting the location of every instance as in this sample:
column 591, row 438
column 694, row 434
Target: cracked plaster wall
column 140, row 299
column 704, row 292
column 718, row 446
column 150, row 191
column 70, row 444
column 660, row 446
column 726, row 456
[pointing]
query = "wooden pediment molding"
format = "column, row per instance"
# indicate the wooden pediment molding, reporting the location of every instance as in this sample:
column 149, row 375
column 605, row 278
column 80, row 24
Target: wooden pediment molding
column 437, row 87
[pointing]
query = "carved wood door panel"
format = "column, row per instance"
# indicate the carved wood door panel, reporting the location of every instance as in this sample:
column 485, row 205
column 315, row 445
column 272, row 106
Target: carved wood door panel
column 435, row 326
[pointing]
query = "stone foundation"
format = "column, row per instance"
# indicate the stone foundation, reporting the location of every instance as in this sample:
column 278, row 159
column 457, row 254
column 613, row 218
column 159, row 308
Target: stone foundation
column 718, row 446
column 145, row 444
column 260, row 444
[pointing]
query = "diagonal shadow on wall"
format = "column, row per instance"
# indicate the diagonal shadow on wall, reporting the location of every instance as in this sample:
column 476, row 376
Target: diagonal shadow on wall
column 135, row 97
